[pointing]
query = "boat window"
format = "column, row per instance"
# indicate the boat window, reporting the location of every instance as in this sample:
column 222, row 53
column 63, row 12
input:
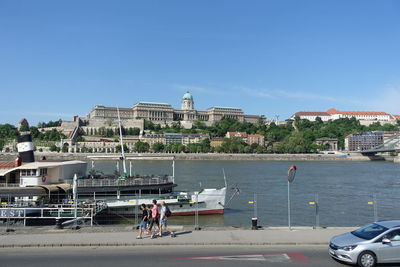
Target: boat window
column 43, row 171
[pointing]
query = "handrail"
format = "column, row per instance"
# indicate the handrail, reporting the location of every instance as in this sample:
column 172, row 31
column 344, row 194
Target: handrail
column 126, row 182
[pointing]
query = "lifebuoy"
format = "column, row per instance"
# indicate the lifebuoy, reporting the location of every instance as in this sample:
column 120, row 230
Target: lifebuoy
column 43, row 178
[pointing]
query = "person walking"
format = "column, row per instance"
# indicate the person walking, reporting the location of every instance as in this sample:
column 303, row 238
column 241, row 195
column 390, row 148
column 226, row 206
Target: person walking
column 148, row 208
column 154, row 218
column 143, row 222
column 165, row 212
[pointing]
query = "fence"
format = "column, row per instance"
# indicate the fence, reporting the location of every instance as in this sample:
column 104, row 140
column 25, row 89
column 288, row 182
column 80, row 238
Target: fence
column 307, row 209
column 126, row 182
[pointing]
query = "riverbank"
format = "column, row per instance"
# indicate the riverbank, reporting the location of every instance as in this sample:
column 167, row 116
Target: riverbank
column 200, row 156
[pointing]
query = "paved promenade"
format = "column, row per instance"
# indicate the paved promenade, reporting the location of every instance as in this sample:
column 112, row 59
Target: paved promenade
column 125, row 236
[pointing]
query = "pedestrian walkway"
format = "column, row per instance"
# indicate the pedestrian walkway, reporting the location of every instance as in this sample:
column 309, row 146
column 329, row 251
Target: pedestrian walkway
column 184, row 236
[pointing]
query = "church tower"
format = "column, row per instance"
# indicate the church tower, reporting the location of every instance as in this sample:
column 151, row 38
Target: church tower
column 187, row 102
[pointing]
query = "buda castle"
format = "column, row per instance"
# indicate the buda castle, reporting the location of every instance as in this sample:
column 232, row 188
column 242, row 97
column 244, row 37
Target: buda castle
column 165, row 114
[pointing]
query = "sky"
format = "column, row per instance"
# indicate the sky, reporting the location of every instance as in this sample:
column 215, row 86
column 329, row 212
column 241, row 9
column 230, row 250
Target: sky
column 274, row 58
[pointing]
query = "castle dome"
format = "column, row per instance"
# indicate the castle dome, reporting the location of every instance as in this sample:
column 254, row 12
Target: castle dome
column 188, row 96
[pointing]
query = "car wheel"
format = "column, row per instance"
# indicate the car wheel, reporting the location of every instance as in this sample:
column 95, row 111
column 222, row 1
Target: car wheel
column 367, row 259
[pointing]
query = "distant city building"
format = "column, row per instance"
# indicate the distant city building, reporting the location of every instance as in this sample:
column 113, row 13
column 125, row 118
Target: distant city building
column 256, row 139
column 365, row 117
column 163, row 113
column 151, row 139
column 331, row 144
column 248, row 138
column 241, row 135
column 216, row 141
column 173, row 138
column 193, row 138
column 363, row 141
column 312, row 116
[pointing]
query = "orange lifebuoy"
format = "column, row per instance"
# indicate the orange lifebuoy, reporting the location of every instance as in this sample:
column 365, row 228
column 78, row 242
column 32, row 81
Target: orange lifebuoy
column 43, row 178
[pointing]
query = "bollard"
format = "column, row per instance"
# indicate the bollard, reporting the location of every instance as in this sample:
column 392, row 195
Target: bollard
column 254, row 224
column 59, row 223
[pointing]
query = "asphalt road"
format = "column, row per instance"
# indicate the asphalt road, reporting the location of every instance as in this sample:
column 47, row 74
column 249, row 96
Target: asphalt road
column 166, row 256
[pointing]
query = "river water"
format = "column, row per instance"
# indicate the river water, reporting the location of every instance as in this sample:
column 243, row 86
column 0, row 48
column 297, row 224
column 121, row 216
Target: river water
column 343, row 190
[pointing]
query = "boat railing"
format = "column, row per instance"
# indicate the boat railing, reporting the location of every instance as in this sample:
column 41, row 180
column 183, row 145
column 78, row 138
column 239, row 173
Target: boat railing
column 8, row 185
column 24, row 213
column 125, row 182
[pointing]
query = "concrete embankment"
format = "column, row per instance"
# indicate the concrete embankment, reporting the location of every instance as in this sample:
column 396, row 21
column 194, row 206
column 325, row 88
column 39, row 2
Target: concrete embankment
column 198, row 156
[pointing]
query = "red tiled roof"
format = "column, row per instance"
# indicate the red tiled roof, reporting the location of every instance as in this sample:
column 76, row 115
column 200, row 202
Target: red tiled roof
column 311, row 113
column 396, row 117
column 335, row 111
column 7, row 164
column 237, row 133
column 255, row 135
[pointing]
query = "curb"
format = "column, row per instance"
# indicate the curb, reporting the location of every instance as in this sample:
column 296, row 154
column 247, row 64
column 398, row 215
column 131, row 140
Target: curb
column 167, row 244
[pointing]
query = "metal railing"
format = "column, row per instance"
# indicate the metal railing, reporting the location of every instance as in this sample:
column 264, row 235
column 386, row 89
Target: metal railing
column 8, row 185
column 126, row 182
column 10, row 212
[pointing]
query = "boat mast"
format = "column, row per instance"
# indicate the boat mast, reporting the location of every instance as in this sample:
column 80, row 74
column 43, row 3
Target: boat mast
column 121, row 143
column 173, row 170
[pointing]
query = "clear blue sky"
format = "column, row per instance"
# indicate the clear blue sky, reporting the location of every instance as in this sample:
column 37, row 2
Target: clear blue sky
column 61, row 58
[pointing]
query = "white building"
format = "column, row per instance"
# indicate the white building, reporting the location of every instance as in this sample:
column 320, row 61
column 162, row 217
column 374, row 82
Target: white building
column 365, row 117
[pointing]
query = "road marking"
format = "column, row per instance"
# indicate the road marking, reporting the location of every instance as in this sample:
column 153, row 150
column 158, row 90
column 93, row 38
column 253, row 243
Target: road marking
column 292, row 257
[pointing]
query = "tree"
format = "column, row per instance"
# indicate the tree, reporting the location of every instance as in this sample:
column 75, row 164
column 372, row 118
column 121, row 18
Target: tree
column 133, row 131
column 176, row 148
column 158, row 147
column 64, row 149
column 118, row 148
column 142, row 147
column 109, row 132
column 54, row 148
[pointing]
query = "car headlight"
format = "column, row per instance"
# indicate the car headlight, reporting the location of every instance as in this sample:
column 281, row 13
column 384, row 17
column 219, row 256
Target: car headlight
column 348, row 248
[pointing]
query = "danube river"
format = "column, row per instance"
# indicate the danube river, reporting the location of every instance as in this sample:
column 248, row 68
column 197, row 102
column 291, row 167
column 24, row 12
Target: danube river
column 344, row 190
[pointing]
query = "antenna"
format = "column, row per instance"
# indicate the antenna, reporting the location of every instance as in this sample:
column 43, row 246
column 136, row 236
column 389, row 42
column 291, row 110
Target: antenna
column 122, row 145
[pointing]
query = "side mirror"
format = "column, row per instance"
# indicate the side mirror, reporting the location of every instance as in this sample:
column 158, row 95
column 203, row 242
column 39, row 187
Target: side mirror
column 385, row 241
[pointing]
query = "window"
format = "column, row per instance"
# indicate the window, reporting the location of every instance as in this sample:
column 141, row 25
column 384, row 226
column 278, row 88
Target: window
column 394, row 235
column 43, row 172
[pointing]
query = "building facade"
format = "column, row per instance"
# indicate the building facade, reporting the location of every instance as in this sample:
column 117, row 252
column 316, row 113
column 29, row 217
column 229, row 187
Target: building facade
column 331, row 144
column 365, row 117
column 163, row 113
column 363, row 141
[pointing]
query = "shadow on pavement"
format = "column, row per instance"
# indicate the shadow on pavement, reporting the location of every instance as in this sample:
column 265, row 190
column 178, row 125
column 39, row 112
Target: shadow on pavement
column 182, row 233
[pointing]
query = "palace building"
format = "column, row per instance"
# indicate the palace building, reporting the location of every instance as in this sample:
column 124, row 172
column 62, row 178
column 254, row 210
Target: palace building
column 163, row 113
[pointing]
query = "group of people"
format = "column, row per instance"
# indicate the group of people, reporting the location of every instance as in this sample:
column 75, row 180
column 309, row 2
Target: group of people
column 154, row 216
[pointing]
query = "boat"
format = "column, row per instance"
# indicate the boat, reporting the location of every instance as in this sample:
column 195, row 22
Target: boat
column 131, row 192
column 43, row 183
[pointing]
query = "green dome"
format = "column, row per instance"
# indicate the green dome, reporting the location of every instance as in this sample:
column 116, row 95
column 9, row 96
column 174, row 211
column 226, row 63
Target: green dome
column 187, row 95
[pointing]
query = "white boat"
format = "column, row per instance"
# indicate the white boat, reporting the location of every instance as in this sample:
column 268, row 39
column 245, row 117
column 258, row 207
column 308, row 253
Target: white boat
column 206, row 201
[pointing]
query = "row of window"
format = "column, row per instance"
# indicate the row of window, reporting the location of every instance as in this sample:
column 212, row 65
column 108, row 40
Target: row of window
column 34, row 172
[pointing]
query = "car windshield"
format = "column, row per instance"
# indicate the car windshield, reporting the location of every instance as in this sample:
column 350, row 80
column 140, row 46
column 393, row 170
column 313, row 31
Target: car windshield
column 370, row 231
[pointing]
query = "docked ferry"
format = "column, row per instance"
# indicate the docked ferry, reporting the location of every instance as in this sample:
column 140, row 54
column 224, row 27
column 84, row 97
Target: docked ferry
column 46, row 182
